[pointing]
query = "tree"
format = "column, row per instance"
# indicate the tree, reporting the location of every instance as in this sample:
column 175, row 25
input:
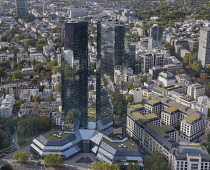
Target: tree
column 157, row 161
column 56, row 69
column 208, row 136
column 28, row 125
column 132, row 166
column 50, row 98
column 3, row 136
column 30, row 42
column 130, row 98
column 104, row 166
column 15, row 51
column 196, row 67
column 20, row 157
column 182, row 71
column 206, row 144
column 53, row 160
column 44, row 122
column 144, row 78
column 36, row 99
column 2, row 73
column 70, row 115
column 58, row 87
column 131, row 86
column 17, row 75
column 204, row 76
column 18, row 103
column 52, row 64
column 189, row 59
column 39, row 68
column 7, row 167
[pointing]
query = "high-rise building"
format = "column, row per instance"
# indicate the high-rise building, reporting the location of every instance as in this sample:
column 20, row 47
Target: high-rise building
column 110, row 59
column 204, row 46
column 74, row 37
column 155, row 36
column 21, row 8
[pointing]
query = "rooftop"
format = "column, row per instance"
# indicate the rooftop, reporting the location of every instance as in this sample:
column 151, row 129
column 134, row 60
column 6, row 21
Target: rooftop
column 192, row 117
column 137, row 106
column 192, row 150
column 153, row 101
column 172, row 109
column 166, row 127
column 157, row 129
column 160, row 88
column 53, row 135
column 126, row 145
column 138, row 115
column 150, row 116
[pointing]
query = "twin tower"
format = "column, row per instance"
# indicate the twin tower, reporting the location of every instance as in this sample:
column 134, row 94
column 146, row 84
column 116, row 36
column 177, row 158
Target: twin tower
column 111, row 54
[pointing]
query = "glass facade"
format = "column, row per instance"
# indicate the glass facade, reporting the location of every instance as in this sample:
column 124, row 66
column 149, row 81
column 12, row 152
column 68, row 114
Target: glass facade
column 21, row 8
column 110, row 56
column 74, row 37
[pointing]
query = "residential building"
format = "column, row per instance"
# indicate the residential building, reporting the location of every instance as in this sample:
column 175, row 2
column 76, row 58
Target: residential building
column 75, row 65
column 204, row 46
column 191, row 157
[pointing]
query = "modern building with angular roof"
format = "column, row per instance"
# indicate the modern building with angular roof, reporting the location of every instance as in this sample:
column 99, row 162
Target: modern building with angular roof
column 86, row 141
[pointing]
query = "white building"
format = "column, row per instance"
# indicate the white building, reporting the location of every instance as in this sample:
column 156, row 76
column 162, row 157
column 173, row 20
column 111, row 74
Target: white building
column 167, row 79
column 77, row 12
column 137, row 94
column 195, row 90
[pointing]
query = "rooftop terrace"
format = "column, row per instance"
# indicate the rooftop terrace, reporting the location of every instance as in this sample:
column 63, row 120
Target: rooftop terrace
column 127, row 145
column 55, row 135
column 153, row 101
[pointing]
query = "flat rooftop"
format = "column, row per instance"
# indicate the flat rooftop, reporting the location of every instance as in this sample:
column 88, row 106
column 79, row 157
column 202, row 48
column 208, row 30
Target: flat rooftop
column 153, row 101
column 127, row 145
column 137, row 106
column 150, row 116
column 166, row 128
column 192, row 150
column 192, row 117
column 172, row 109
column 55, row 135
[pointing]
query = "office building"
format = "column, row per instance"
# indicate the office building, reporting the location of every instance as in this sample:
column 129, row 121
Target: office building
column 195, row 90
column 75, row 69
column 77, row 12
column 155, row 36
column 106, row 150
column 110, row 57
column 204, row 47
column 150, row 60
column 21, row 8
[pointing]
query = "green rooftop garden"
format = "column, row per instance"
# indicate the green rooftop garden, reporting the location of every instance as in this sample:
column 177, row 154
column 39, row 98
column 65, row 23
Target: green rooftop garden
column 119, row 145
column 172, row 108
column 153, row 101
column 166, row 127
column 157, row 129
column 51, row 135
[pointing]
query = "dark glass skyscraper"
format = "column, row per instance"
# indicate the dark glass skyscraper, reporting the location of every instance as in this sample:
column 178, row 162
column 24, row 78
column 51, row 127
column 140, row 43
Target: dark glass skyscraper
column 21, row 8
column 74, row 37
column 110, row 58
